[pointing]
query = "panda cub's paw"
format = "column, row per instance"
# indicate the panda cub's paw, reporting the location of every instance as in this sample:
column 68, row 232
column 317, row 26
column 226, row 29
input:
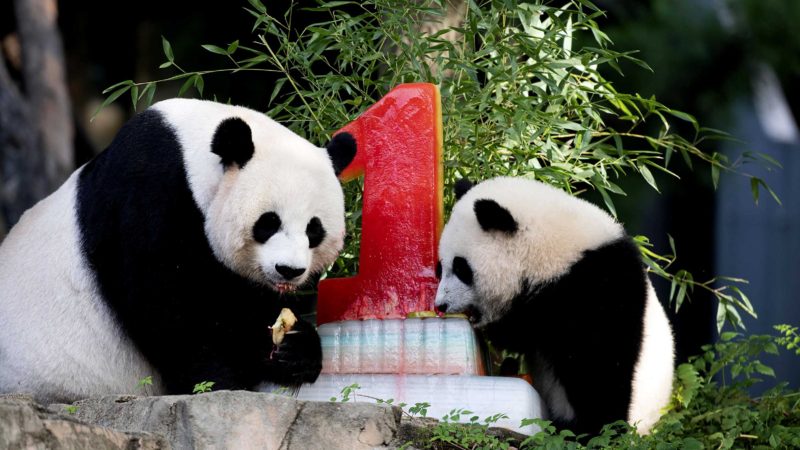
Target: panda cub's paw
column 298, row 358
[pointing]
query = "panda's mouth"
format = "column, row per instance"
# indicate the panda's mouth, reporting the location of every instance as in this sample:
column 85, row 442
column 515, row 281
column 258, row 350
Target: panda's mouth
column 474, row 315
column 282, row 288
column 285, row 287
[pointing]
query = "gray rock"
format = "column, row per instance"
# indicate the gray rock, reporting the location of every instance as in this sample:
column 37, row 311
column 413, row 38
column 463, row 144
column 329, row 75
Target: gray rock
column 245, row 420
column 26, row 425
column 217, row 420
column 346, row 426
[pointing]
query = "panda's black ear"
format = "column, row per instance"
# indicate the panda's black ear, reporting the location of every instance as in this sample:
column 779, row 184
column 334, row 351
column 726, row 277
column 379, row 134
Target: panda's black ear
column 462, row 187
column 233, row 142
column 493, row 217
column 342, row 150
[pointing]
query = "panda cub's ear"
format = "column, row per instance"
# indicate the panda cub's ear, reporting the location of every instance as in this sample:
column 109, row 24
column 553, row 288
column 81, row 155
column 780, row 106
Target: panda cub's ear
column 493, row 217
column 342, row 150
column 233, row 142
column 462, row 187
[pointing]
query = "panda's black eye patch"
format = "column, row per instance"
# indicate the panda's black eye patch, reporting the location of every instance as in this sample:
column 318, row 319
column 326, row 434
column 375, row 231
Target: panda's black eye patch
column 315, row 232
column 439, row 270
column 462, row 270
column 268, row 224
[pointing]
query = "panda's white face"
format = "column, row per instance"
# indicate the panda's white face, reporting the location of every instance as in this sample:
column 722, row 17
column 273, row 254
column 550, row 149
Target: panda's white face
column 507, row 234
column 273, row 207
column 277, row 221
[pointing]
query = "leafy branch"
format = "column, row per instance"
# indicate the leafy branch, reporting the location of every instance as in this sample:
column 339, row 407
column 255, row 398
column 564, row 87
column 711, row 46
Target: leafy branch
column 519, row 97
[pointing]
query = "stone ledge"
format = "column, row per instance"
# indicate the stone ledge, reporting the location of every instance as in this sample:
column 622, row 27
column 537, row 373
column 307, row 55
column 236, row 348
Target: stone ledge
column 216, row 420
column 26, row 425
column 245, row 420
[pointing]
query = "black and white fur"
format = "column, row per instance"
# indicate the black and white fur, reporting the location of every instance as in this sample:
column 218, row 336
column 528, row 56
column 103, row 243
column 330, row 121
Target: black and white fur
column 165, row 256
column 557, row 279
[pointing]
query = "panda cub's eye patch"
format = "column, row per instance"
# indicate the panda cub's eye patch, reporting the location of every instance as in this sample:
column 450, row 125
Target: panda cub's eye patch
column 462, row 270
column 268, row 224
column 439, row 270
column 315, row 232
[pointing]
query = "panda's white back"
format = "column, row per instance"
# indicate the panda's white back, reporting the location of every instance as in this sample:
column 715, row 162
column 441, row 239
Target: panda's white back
column 57, row 338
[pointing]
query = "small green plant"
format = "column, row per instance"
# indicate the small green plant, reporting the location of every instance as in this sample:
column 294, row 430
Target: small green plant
column 71, row 409
column 281, row 390
column 146, row 381
column 420, row 409
column 202, row 387
column 453, row 431
column 348, row 393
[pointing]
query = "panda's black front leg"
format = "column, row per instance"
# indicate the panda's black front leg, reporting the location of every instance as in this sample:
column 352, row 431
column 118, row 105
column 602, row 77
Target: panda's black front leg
column 298, row 359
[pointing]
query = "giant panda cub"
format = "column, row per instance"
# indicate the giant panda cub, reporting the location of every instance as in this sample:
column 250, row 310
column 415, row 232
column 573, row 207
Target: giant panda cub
column 556, row 279
column 166, row 256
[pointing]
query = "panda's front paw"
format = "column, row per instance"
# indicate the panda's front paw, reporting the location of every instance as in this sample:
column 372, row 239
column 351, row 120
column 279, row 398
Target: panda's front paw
column 298, row 358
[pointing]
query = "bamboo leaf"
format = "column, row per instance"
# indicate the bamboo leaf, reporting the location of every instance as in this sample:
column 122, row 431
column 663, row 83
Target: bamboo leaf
column 167, row 49
column 114, row 86
column 214, row 49
column 754, row 188
column 607, row 200
column 110, row 99
column 721, row 316
column 134, row 96
column 186, row 85
column 715, row 175
column 648, row 176
column 258, row 6
column 684, row 116
column 151, row 91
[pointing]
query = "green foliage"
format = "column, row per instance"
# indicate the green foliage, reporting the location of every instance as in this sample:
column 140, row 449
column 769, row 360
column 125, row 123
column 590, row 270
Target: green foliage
column 146, row 381
column 419, row 409
column 711, row 408
column 712, row 405
column 202, row 387
column 519, row 98
column 789, row 338
column 348, row 393
column 71, row 409
column 472, row 434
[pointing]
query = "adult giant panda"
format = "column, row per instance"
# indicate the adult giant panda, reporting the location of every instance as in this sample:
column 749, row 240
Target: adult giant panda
column 557, row 279
column 166, row 255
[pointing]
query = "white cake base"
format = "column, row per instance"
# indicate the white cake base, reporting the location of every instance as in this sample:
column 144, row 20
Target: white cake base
column 484, row 396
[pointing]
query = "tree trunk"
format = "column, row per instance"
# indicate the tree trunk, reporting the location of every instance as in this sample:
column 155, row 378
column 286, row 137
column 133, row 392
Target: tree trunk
column 21, row 163
column 36, row 126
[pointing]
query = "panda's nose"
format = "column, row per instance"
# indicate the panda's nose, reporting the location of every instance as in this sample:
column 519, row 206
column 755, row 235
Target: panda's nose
column 289, row 273
column 442, row 307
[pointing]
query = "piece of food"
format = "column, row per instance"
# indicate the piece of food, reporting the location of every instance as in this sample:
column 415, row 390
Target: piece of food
column 283, row 325
column 420, row 314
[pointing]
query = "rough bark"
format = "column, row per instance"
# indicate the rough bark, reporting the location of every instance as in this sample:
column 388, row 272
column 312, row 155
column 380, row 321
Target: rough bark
column 44, row 72
column 21, row 163
column 36, row 127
